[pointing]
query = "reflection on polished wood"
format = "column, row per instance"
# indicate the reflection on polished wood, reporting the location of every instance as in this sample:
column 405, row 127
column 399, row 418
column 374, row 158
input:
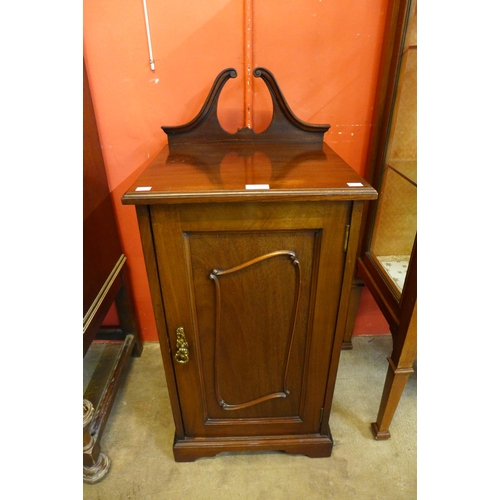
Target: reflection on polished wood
column 202, row 161
column 222, row 172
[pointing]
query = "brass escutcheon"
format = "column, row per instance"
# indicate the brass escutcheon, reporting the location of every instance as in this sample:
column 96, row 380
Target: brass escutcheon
column 182, row 354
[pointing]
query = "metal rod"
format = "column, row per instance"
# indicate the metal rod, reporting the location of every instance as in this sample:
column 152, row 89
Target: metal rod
column 151, row 59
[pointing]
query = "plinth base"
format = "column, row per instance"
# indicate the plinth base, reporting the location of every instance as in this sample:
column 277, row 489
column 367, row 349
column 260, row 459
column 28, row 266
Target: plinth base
column 314, row 446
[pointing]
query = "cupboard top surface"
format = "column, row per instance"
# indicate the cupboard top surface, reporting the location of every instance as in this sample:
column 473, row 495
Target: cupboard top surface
column 236, row 172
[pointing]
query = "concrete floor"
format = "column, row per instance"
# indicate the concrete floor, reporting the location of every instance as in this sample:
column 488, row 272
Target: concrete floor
column 139, row 434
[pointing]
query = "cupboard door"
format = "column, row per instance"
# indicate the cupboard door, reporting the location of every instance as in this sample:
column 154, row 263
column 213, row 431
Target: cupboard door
column 255, row 290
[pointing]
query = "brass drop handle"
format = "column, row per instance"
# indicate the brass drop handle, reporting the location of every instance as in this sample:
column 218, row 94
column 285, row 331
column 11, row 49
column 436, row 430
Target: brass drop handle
column 182, row 354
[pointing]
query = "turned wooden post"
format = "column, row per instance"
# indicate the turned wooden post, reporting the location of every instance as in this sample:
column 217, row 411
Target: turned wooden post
column 95, row 463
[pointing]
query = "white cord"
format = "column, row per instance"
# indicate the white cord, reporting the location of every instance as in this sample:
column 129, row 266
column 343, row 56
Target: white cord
column 151, row 59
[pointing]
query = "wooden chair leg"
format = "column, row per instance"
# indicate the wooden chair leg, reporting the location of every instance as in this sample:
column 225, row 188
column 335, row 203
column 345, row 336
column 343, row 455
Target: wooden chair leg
column 95, row 463
column 395, row 383
column 400, row 368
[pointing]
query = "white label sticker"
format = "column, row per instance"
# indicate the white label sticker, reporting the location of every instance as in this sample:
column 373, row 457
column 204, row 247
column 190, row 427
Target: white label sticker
column 355, row 184
column 256, row 186
column 143, row 188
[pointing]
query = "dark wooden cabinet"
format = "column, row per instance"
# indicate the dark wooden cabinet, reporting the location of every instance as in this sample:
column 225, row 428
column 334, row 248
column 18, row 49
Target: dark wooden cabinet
column 250, row 243
column 388, row 253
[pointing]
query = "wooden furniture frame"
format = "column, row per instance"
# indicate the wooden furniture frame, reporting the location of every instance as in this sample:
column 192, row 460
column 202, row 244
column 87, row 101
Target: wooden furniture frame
column 354, row 299
column 105, row 281
column 250, row 243
column 398, row 307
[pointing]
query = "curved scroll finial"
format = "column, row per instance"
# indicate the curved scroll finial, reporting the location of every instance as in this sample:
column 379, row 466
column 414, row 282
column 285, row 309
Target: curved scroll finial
column 208, row 110
column 283, row 107
column 284, row 127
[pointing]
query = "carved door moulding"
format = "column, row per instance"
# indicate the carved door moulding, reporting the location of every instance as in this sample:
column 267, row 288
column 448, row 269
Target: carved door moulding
column 214, row 275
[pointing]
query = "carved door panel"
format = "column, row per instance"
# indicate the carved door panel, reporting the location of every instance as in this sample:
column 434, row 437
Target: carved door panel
column 243, row 287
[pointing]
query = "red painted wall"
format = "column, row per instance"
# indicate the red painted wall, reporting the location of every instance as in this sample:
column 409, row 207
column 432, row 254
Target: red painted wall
column 323, row 53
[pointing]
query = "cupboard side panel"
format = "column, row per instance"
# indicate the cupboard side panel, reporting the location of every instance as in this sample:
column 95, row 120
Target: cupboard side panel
column 347, row 279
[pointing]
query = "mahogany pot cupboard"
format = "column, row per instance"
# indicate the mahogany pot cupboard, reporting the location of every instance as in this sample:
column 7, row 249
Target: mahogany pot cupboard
column 250, row 243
